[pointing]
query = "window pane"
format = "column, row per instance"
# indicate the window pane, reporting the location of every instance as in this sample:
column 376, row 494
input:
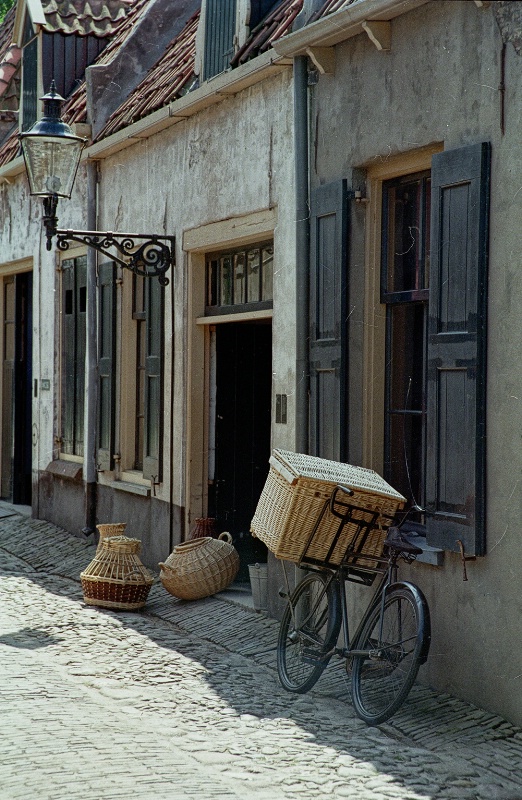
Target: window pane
column 212, row 282
column 153, row 417
column 138, row 294
column 407, row 207
column 254, row 274
column 268, row 272
column 226, row 280
column 140, row 392
column 405, row 467
column 407, row 365
column 239, row 278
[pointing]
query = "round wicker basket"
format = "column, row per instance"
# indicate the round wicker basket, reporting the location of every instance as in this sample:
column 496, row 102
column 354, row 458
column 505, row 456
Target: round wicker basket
column 116, row 578
column 199, row 568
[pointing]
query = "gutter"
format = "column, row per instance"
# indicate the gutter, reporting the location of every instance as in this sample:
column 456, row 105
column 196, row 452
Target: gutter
column 226, row 84
column 342, row 25
column 213, row 91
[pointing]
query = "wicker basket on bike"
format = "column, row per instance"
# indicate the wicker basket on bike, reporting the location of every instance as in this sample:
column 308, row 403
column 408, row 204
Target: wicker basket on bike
column 295, row 493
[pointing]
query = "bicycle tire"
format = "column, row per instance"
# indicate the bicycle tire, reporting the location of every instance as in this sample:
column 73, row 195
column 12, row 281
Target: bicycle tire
column 380, row 684
column 309, row 629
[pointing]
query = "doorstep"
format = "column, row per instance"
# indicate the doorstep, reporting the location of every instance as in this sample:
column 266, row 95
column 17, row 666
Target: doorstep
column 238, row 593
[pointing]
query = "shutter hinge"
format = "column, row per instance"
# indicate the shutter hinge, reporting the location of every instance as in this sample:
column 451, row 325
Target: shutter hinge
column 464, row 558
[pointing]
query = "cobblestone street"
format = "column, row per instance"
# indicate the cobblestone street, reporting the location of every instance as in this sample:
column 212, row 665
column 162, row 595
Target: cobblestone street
column 182, row 701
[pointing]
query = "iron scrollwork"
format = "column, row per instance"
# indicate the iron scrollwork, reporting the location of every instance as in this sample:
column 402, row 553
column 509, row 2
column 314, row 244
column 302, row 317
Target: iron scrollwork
column 150, row 259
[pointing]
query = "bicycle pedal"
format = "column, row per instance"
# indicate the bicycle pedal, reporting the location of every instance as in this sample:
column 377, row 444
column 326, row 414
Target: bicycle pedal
column 312, row 657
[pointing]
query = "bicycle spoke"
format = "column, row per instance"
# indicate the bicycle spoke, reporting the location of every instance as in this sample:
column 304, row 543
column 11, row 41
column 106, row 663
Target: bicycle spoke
column 381, row 682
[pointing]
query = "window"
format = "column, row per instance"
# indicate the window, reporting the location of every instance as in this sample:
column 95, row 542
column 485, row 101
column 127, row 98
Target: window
column 405, row 292
column 240, row 279
column 139, row 359
column 29, row 76
column 220, row 28
column 434, row 255
column 74, row 299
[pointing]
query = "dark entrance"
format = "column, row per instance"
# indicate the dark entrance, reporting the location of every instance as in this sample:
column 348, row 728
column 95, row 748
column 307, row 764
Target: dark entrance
column 242, row 432
column 16, row 388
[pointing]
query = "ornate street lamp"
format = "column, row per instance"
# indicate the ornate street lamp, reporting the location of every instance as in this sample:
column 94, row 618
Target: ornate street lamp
column 52, row 154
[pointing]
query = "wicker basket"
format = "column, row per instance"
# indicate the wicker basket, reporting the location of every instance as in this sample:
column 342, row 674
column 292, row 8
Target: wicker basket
column 296, row 489
column 199, row 568
column 116, row 578
column 110, row 529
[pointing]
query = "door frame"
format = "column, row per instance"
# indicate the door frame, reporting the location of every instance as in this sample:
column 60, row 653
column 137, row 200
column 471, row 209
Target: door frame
column 194, row 427
column 10, row 270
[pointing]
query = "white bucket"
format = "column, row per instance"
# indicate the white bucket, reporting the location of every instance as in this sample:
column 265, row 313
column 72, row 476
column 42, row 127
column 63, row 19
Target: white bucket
column 258, row 582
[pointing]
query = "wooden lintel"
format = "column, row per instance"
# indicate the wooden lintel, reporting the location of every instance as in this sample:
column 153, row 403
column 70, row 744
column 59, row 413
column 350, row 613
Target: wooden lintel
column 323, row 58
column 379, row 32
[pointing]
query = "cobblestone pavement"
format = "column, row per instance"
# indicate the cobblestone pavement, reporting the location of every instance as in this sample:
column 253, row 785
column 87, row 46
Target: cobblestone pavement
column 182, row 701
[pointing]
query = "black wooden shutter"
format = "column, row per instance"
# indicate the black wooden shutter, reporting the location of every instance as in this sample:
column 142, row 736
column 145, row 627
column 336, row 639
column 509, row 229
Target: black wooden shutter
column 328, row 303
column 153, row 429
column 220, row 28
column 106, row 364
column 456, row 455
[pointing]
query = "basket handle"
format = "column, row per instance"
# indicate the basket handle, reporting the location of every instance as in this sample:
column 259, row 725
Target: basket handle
column 225, row 537
column 166, row 567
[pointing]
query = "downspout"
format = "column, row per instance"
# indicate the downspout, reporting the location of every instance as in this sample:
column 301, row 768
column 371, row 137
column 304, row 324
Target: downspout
column 302, row 227
column 91, row 361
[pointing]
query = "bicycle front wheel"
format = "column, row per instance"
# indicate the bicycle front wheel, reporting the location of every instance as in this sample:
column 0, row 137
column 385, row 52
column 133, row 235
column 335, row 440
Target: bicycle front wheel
column 398, row 644
column 308, row 630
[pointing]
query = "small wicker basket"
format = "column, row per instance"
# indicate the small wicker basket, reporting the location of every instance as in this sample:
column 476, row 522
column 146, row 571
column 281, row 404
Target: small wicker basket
column 116, row 578
column 294, row 494
column 110, row 529
column 200, row 567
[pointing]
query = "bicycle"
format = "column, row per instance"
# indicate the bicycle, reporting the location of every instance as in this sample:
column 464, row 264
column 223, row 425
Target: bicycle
column 393, row 637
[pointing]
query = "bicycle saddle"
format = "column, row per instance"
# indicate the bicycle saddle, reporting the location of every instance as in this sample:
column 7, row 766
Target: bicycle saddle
column 399, row 542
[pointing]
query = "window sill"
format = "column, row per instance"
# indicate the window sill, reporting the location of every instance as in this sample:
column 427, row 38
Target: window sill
column 131, row 488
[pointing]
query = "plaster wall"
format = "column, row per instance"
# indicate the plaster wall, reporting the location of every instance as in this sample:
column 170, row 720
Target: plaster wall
column 228, row 161
column 440, row 83
column 22, row 241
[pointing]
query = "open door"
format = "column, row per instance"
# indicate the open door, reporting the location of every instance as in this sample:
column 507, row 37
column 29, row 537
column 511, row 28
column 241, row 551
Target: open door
column 240, row 432
column 16, row 388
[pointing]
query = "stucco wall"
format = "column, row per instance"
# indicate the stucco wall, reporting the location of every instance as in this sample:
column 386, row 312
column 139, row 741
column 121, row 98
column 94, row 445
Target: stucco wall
column 233, row 159
column 440, row 83
column 228, row 161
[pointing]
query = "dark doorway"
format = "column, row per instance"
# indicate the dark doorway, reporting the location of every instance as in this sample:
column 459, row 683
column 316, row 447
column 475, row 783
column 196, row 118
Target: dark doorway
column 243, row 359
column 16, row 388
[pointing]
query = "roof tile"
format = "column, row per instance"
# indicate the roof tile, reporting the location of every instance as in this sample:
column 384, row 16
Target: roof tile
column 330, row 6
column 164, row 82
column 99, row 18
column 276, row 23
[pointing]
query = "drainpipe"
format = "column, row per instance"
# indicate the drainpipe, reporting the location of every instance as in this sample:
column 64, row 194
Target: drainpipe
column 91, row 365
column 302, row 207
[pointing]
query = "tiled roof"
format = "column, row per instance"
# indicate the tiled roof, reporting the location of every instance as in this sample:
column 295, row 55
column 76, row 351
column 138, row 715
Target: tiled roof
column 96, row 17
column 10, row 147
column 175, row 69
column 330, row 6
column 163, row 83
column 9, row 57
column 273, row 26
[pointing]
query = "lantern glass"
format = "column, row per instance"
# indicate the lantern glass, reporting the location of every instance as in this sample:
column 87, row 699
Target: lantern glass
column 51, row 163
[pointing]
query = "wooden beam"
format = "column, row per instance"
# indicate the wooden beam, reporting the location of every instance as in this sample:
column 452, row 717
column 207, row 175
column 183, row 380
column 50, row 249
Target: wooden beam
column 379, row 32
column 323, row 58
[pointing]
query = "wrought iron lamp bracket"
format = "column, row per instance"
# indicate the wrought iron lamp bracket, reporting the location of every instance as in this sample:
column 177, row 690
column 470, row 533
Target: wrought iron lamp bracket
column 147, row 255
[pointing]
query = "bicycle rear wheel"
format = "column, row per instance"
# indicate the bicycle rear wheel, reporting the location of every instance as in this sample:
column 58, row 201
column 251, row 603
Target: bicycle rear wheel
column 308, row 630
column 381, row 681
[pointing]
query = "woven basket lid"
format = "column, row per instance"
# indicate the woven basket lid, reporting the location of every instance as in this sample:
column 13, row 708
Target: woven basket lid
column 299, row 465
column 121, row 544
